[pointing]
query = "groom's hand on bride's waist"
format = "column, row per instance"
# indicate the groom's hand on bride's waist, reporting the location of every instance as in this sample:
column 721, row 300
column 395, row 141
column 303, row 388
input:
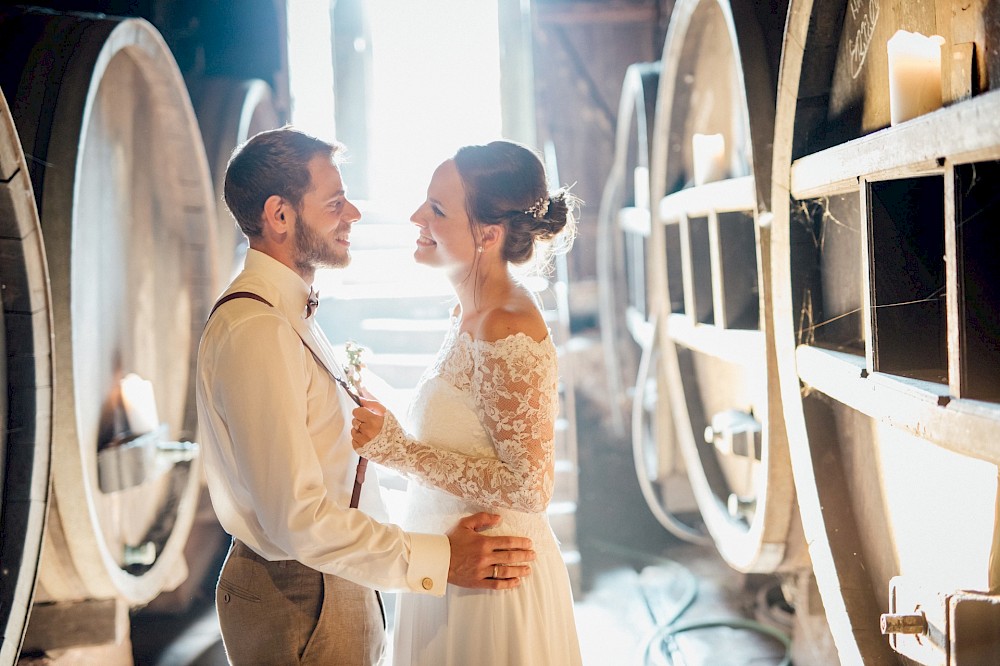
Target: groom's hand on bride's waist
column 489, row 562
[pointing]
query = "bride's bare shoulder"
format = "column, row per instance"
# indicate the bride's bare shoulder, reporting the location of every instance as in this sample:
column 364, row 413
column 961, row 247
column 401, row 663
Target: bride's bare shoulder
column 511, row 319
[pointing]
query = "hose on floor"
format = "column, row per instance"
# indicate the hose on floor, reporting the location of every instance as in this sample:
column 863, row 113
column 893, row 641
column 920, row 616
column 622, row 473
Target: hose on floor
column 669, row 627
column 664, row 634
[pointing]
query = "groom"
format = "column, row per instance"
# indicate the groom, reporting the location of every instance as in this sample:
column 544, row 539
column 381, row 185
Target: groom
column 297, row 585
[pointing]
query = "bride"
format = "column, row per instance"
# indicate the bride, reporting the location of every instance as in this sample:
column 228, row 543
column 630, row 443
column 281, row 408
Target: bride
column 483, row 416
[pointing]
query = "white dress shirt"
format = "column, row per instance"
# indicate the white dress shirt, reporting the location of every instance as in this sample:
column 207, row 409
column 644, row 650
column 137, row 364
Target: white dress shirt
column 275, row 431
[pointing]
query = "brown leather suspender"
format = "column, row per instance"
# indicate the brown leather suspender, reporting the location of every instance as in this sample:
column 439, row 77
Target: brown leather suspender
column 238, row 294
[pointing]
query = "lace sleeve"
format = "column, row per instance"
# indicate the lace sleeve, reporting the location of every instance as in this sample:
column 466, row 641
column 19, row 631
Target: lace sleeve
column 514, row 382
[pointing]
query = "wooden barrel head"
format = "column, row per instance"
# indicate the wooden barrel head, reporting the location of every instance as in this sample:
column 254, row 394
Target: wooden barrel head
column 881, row 283
column 229, row 112
column 710, row 185
column 125, row 201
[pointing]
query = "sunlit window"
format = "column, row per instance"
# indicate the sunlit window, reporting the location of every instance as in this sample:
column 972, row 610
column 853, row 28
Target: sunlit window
column 436, row 87
column 427, row 81
column 310, row 68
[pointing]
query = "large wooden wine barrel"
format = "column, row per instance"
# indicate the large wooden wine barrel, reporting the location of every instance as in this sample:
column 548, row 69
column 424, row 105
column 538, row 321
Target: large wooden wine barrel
column 623, row 229
column 26, row 380
column 125, row 201
column 710, row 271
column 626, row 309
column 229, row 112
column 887, row 319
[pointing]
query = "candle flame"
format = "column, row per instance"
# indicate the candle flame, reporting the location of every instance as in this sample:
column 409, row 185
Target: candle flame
column 139, row 403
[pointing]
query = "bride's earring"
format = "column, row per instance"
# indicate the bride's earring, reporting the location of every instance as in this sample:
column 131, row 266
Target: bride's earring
column 479, row 249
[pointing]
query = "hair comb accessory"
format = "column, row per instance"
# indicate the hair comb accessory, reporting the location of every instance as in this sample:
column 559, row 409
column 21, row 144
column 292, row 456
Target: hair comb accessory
column 539, row 208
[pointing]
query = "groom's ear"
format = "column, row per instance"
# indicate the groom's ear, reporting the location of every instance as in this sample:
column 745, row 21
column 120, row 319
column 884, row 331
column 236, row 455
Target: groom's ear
column 277, row 214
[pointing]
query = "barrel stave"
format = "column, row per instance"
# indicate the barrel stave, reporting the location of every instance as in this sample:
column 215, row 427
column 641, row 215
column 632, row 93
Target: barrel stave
column 709, row 275
column 125, row 201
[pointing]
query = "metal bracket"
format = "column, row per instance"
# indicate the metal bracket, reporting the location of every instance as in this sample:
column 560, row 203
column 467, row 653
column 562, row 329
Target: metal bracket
column 735, row 433
column 132, row 461
column 959, row 628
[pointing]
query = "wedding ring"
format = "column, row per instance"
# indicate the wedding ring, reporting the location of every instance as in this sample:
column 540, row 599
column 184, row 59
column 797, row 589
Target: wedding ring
column 496, row 571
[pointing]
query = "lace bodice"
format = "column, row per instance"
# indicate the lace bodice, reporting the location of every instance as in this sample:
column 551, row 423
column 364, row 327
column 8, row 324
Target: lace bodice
column 511, row 387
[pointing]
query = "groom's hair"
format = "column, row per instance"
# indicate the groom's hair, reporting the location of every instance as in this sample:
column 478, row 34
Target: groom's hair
column 272, row 162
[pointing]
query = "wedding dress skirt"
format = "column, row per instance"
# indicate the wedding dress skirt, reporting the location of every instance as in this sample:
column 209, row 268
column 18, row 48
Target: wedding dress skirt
column 532, row 624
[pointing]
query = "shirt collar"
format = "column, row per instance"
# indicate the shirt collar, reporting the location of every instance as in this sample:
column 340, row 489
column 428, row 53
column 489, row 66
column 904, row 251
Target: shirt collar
column 292, row 289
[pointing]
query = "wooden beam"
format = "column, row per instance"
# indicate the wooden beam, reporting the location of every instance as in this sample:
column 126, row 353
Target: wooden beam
column 964, row 132
column 601, row 13
column 924, row 409
column 62, row 625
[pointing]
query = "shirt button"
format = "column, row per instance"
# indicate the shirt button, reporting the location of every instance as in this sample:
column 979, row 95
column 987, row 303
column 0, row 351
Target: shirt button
column 427, row 583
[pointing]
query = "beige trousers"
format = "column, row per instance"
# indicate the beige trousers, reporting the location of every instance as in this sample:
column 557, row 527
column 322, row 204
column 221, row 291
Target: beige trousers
column 287, row 613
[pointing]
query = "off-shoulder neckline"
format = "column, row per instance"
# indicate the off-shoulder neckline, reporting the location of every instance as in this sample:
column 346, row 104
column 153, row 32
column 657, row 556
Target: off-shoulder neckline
column 509, row 338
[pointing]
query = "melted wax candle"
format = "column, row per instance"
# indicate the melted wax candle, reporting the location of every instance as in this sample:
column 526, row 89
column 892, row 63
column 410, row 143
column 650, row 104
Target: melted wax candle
column 914, row 75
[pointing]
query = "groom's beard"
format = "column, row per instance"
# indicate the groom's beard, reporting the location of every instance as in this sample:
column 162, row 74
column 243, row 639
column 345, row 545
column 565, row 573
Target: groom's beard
column 314, row 251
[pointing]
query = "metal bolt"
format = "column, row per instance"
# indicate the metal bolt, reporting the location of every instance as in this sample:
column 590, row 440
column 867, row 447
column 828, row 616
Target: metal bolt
column 176, row 452
column 903, row 623
column 709, row 435
column 741, row 507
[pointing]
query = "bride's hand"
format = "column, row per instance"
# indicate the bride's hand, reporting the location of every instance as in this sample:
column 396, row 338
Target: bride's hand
column 367, row 422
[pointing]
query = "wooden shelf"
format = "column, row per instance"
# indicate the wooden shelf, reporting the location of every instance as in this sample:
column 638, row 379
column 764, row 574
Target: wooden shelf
column 974, row 287
column 964, row 132
column 641, row 330
column 740, row 347
column 905, row 250
column 967, row 427
column 735, row 282
column 697, row 268
column 724, row 196
column 634, row 220
column 711, row 252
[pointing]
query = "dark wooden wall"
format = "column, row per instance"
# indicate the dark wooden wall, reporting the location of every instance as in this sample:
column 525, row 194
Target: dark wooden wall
column 242, row 39
column 581, row 51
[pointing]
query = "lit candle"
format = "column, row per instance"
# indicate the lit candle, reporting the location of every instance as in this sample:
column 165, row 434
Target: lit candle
column 139, row 403
column 708, row 152
column 914, row 75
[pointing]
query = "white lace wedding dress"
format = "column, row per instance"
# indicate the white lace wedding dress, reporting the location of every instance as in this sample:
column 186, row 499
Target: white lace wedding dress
column 483, row 422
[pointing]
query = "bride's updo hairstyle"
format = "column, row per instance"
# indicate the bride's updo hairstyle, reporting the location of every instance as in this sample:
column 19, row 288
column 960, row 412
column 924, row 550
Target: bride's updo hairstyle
column 505, row 184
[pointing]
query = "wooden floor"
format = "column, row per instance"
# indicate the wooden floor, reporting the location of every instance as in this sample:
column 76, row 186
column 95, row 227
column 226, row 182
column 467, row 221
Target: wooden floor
column 632, row 594
column 624, row 618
